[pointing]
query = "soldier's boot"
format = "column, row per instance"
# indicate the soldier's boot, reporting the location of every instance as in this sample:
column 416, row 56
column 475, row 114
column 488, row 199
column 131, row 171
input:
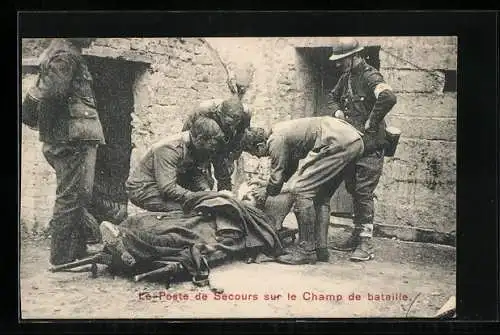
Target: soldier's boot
column 322, row 224
column 350, row 244
column 112, row 239
column 67, row 240
column 364, row 251
column 305, row 253
column 59, row 244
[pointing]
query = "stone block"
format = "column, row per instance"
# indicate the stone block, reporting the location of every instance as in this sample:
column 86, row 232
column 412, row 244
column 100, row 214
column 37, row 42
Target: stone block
column 156, row 48
column 425, row 128
column 428, row 162
column 120, row 43
column 430, row 57
column 426, row 105
column 203, row 59
column 414, row 81
column 414, row 204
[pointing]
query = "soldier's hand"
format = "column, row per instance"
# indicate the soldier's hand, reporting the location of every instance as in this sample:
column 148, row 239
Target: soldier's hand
column 227, row 192
column 367, row 124
column 257, row 183
column 339, row 115
column 260, row 195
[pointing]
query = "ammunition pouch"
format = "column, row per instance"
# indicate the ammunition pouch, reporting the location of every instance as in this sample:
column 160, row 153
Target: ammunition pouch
column 392, row 135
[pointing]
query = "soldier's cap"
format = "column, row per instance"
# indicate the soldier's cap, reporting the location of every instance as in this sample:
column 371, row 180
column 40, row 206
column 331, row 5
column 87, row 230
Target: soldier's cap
column 345, row 47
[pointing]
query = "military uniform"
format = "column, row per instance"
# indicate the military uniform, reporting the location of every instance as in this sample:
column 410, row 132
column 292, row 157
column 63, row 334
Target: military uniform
column 167, row 175
column 325, row 145
column 62, row 107
column 362, row 96
column 233, row 128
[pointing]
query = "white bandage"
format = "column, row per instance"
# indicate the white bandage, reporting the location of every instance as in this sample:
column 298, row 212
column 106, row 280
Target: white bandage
column 380, row 88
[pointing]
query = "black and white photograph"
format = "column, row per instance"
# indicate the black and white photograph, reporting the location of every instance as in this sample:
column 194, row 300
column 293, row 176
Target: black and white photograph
column 238, row 177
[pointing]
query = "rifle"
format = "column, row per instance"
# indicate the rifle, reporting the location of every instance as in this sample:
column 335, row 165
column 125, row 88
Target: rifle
column 99, row 258
column 169, row 270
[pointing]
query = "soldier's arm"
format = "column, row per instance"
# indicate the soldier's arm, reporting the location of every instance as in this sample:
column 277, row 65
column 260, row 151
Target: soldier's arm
column 223, row 171
column 57, row 77
column 165, row 165
column 385, row 99
column 334, row 96
column 279, row 153
column 244, row 124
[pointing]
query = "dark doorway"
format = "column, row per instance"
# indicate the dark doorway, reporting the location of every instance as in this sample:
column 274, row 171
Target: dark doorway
column 320, row 80
column 113, row 86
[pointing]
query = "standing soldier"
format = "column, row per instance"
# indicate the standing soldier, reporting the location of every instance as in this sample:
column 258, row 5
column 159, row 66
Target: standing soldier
column 62, row 106
column 362, row 98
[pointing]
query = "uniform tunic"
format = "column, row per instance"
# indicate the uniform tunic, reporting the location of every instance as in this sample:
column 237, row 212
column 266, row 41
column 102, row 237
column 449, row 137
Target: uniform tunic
column 167, row 175
column 325, row 144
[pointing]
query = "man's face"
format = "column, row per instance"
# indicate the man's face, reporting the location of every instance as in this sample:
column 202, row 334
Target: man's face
column 344, row 64
column 207, row 148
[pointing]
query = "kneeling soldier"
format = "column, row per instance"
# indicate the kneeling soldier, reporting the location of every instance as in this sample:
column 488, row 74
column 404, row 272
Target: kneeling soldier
column 172, row 169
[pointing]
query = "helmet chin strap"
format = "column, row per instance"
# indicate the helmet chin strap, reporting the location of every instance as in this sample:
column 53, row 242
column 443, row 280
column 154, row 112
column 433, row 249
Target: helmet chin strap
column 351, row 63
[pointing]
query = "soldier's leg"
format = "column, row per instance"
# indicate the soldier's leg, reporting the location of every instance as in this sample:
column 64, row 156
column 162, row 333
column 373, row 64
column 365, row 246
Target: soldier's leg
column 322, row 206
column 66, row 225
column 155, row 203
column 319, row 169
column 90, row 223
column 278, row 207
column 350, row 182
column 367, row 175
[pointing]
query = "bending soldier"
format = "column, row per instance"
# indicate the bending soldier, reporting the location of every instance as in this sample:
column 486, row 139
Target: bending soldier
column 326, row 145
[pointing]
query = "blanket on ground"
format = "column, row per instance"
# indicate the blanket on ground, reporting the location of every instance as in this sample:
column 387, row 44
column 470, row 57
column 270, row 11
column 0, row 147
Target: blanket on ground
column 212, row 226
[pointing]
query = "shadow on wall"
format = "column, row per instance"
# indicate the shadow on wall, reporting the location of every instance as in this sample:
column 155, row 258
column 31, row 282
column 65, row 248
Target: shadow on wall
column 113, row 86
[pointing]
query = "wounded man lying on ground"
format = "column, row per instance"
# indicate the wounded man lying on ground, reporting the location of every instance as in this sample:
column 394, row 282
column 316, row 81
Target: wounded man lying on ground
column 324, row 146
column 213, row 228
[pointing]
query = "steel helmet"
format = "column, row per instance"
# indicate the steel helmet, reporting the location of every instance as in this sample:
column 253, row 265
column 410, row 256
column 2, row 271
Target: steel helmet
column 346, row 46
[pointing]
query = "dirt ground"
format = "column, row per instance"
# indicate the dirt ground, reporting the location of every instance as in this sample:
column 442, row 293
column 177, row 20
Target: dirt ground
column 403, row 272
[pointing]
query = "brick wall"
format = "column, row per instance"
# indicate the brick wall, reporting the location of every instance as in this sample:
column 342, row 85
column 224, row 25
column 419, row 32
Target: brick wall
column 418, row 185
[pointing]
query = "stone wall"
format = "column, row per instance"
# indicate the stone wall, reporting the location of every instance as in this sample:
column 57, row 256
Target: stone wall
column 179, row 74
column 418, row 185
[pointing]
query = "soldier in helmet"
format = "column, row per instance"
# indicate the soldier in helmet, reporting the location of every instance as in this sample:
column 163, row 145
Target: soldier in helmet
column 362, row 98
column 62, row 107
column 233, row 118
